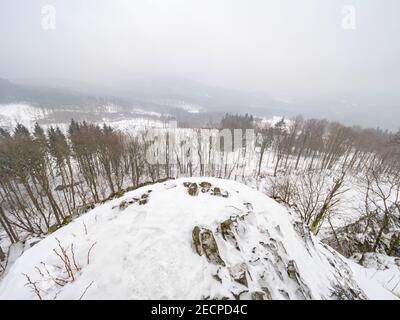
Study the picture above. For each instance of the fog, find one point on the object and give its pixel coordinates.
(287, 49)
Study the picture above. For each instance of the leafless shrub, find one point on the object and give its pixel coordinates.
(310, 194)
(283, 189)
(87, 288)
(88, 254)
(68, 269)
(68, 260)
(33, 285)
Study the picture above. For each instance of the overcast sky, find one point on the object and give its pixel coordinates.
(283, 47)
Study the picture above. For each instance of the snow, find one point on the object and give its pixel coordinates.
(370, 285)
(382, 268)
(191, 108)
(14, 252)
(181, 104)
(146, 251)
(149, 113)
(11, 114)
(276, 119)
(134, 125)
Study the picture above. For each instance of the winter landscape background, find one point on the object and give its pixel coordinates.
(185, 150)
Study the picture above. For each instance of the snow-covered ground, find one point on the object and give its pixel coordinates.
(274, 120)
(135, 124)
(11, 114)
(384, 269)
(145, 245)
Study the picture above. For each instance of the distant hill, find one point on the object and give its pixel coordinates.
(195, 102)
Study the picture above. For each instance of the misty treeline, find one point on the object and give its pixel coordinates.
(48, 176)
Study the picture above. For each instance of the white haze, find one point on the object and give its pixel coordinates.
(287, 49)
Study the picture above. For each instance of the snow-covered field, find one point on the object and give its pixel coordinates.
(11, 114)
(145, 245)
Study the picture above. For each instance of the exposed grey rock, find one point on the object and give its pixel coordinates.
(259, 295)
(292, 269)
(205, 185)
(193, 189)
(227, 232)
(2, 255)
(238, 274)
(196, 240)
(204, 243)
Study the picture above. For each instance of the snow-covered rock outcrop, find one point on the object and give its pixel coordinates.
(192, 238)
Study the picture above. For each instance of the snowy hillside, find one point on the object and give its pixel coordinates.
(192, 238)
(11, 114)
